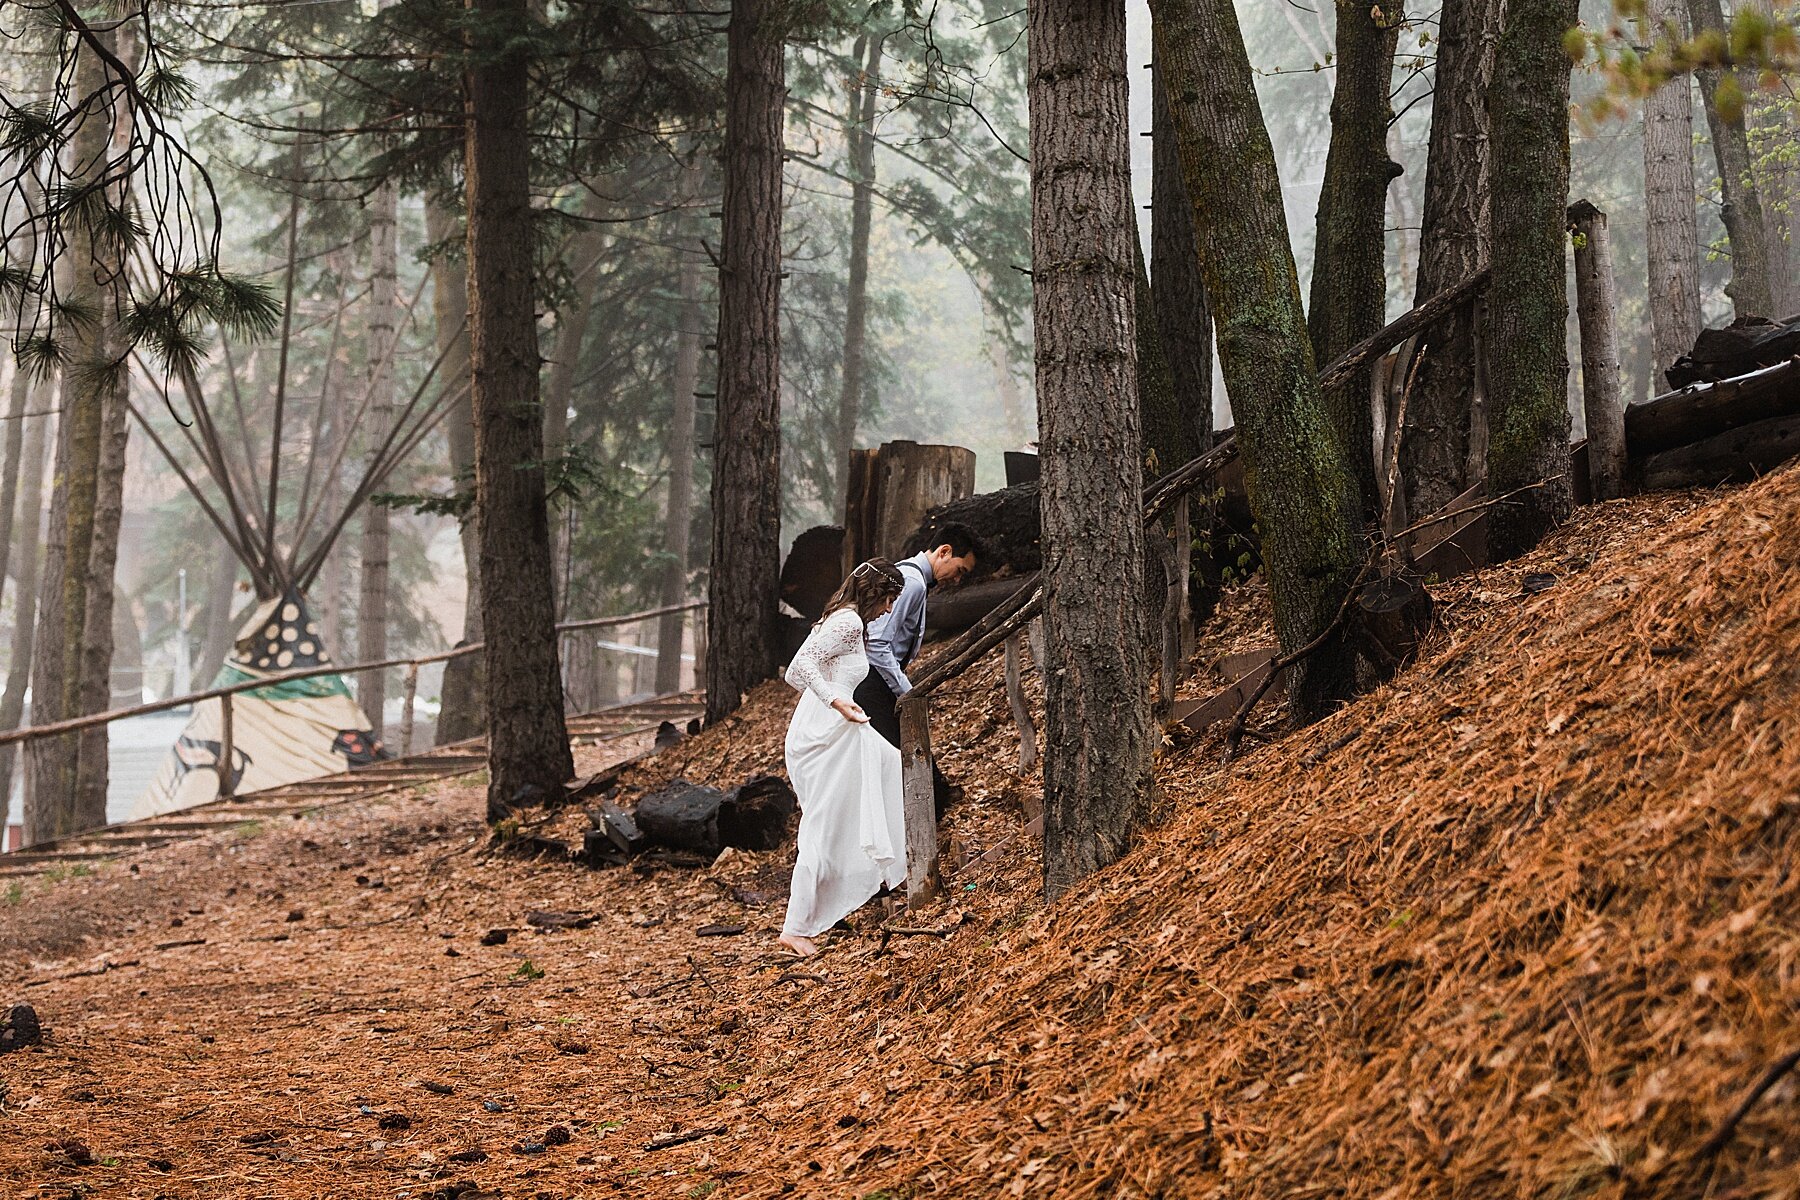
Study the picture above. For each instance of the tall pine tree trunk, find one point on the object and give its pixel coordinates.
(70, 649)
(1751, 289)
(1349, 279)
(25, 564)
(384, 318)
(462, 713)
(221, 591)
(1529, 440)
(1164, 431)
(744, 586)
(678, 514)
(1179, 294)
(1672, 253)
(1301, 486)
(1454, 243)
(859, 136)
(1096, 702)
(528, 743)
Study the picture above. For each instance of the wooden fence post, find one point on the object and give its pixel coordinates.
(1600, 393)
(225, 748)
(406, 714)
(1015, 696)
(923, 882)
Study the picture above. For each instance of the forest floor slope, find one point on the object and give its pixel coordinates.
(1522, 922)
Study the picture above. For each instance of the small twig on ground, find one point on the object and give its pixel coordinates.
(800, 977)
(663, 1141)
(178, 945)
(102, 969)
(1722, 1135)
(700, 974)
(967, 1067)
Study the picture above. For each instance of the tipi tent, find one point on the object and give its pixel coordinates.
(292, 729)
(297, 729)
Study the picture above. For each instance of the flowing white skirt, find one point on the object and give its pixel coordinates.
(852, 816)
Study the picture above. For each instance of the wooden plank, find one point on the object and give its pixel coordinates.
(923, 881)
(1246, 671)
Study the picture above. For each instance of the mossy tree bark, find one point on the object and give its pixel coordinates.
(528, 742)
(1529, 439)
(745, 583)
(1454, 243)
(1084, 285)
(1349, 279)
(1300, 482)
(1182, 314)
(1741, 209)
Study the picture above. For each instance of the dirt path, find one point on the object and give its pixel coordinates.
(309, 1010)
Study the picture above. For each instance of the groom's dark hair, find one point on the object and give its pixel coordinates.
(960, 538)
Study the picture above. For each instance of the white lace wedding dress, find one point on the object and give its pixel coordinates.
(847, 776)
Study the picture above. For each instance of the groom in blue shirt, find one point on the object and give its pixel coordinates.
(894, 639)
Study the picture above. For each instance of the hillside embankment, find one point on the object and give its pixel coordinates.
(1522, 922)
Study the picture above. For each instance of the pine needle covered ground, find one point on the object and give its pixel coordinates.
(1522, 923)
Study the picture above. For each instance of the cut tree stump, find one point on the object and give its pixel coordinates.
(692, 816)
(890, 491)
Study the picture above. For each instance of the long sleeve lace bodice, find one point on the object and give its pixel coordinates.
(832, 661)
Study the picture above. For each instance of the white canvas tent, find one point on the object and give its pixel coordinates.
(292, 729)
(286, 732)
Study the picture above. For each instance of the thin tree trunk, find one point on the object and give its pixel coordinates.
(528, 743)
(1349, 280)
(221, 590)
(1769, 126)
(461, 713)
(1454, 243)
(1182, 315)
(746, 487)
(97, 639)
(25, 563)
(20, 398)
(1097, 784)
(679, 512)
(1529, 373)
(384, 317)
(586, 248)
(1301, 486)
(1596, 305)
(1672, 254)
(859, 136)
(1165, 432)
(1741, 209)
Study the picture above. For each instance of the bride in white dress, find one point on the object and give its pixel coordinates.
(846, 775)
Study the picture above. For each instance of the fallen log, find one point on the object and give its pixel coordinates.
(1006, 521)
(1703, 410)
(1735, 456)
(692, 816)
(1737, 349)
(952, 609)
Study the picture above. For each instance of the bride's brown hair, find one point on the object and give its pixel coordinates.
(869, 587)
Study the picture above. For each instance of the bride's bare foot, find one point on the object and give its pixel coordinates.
(805, 947)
